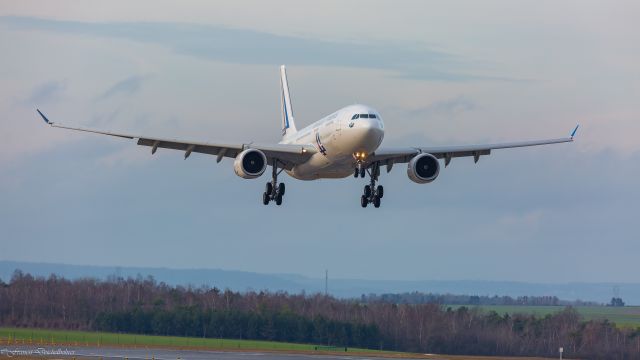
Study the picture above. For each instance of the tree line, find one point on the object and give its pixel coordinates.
(144, 306)
(262, 324)
(417, 297)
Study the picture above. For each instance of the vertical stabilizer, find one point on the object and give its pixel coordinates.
(288, 121)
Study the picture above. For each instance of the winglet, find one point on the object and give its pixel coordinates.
(44, 117)
(573, 133)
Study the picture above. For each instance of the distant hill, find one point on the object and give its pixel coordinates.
(243, 280)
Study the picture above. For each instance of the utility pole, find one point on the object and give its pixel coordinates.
(326, 282)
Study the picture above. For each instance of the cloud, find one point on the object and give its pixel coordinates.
(125, 156)
(446, 109)
(44, 93)
(527, 220)
(243, 46)
(439, 116)
(128, 86)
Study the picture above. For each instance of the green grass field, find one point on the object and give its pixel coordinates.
(43, 337)
(627, 316)
(20, 336)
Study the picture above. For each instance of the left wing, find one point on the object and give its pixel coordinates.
(287, 155)
(391, 156)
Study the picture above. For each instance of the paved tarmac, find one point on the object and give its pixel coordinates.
(108, 353)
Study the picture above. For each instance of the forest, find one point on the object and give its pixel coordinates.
(144, 306)
(453, 299)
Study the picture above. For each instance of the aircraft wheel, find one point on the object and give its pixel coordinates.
(265, 198)
(268, 188)
(364, 201)
(281, 189)
(376, 201)
(356, 173)
(380, 191)
(279, 199)
(363, 172)
(367, 191)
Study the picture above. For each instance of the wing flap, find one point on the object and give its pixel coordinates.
(204, 148)
(288, 154)
(470, 149)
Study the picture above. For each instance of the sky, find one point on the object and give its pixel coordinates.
(450, 72)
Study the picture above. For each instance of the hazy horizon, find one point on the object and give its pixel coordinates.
(320, 276)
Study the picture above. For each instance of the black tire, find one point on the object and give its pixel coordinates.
(380, 191)
(367, 191)
(281, 189)
(268, 188)
(356, 173)
(279, 199)
(364, 201)
(265, 198)
(363, 172)
(376, 201)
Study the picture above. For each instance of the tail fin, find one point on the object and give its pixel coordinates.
(288, 121)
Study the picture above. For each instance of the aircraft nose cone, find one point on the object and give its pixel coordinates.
(373, 127)
(370, 134)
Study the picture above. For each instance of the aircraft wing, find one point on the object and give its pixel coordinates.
(287, 155)
(391, 156)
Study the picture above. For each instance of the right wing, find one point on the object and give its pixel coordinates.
(287, 155)
(391, 156)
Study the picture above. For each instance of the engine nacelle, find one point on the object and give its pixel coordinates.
(423, 168)
(250, 164)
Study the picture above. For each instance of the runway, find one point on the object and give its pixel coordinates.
(110, 353)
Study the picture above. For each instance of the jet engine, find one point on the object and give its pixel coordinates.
(250, 164)
(423, 168)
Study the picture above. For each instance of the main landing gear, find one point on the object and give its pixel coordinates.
(273, 190)
(372, 194)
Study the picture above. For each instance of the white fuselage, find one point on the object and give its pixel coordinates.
(337, 137)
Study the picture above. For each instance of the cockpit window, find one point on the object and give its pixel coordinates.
(364, 116)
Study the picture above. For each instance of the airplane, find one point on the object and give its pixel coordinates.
(344, 143)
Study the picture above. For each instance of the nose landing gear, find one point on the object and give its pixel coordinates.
(372, 194)
(359, 170)
(274, 191)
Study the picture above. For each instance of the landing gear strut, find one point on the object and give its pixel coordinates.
(372, 194)
(359, 170)
(273, 190)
